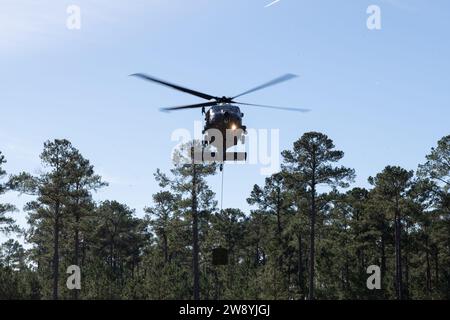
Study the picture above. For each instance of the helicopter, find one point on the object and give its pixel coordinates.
(223, 126)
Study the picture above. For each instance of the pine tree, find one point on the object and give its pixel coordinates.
(7, 224)
(61, 191)
(311, 161)
(228, 232)
(160, 218)
(116, 246)
(275, 200)
(82, 181)
(391, 186)
(437, 166)
(197, 200)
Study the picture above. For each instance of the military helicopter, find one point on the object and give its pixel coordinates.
(223, 120)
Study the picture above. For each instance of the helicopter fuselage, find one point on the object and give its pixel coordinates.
(224, 117)
(223, 126)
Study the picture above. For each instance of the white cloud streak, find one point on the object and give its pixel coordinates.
(272, 3)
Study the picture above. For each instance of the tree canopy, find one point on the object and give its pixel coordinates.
(310, 234)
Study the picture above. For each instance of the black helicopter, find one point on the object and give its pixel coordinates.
(223, 120)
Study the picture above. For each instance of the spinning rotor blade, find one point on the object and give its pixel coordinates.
(278, 80)
(190, 106)
(272, 107)
(174, 86)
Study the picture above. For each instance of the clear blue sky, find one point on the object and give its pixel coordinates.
(382, 96)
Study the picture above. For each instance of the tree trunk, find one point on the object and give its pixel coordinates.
(428, 272)
(398, 255)
(279, 231)
(436, 267)
(406, 284)
(347, 274)
(77, 245)
(300, 266)
(312, 241)
(383, 253)
(56, 252)
(195, 246)
(280, 241)
(165, 248)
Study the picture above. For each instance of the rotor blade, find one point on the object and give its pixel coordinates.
(286, 77)
(190, 106)
(174, 86)
(272, 107)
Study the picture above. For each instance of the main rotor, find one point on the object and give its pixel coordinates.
(214, 100)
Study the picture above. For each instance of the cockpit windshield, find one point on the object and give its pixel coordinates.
(229, 108)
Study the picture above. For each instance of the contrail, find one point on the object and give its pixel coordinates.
(272, 3)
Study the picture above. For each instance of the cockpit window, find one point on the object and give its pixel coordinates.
(229, 108)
